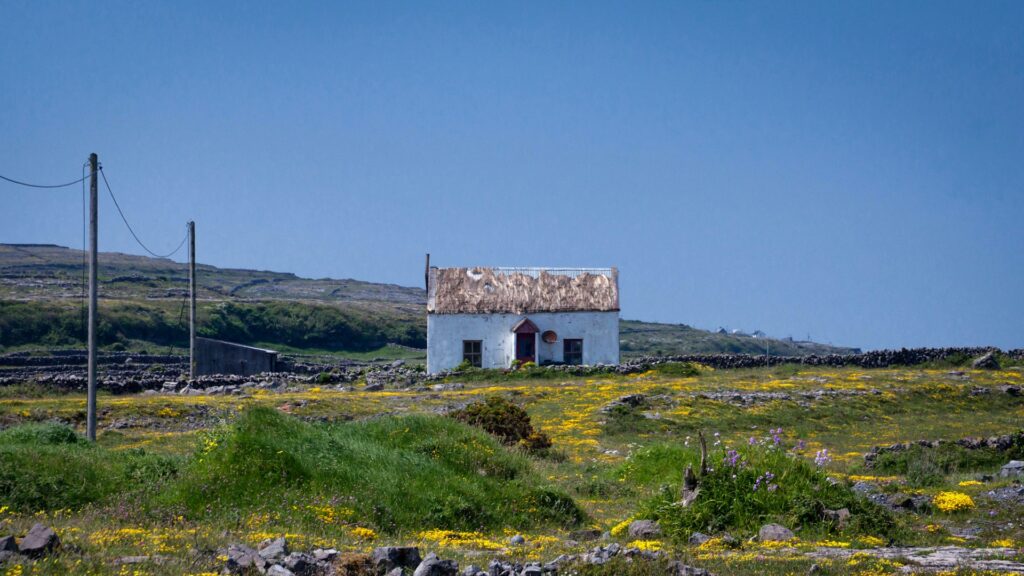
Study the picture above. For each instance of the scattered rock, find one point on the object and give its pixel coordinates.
(906, 502)
(629, 401)
(774, 533)
(1012, 468)
(1010, 390)
(987, 361)
(677, 568)
(838, 518)
(8, 544)
(325, 554)
(1007, 494)
(434, 566)
(517, 540)
(865, 488)
(698, 538)
(39, 541)
(242, 558)
(274, 549)
(387, 558)
(585, 535)
(278, 570)
(300, 564)
(644, 529)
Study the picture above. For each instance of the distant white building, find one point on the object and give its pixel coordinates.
(490, 317)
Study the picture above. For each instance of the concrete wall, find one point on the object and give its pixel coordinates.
(218, 357)
(445, 333)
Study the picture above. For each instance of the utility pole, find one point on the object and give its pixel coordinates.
(192, 300)
(90, 426)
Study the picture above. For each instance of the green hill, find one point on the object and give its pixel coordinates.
(142, 304)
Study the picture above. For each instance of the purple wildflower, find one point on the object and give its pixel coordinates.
(732, 458)
(822, 457)
(766, 480)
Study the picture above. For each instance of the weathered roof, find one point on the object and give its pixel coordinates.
(522, 290)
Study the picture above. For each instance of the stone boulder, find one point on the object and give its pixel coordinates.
(774, 533)
(838, 518)
(242, 559)
(434, 566)
(644, 529)
(388, 558)
(987, 361)
(274, 550)
(39, 541)
(1013, 468)
(698, 538)
(300, 564)
(7, 544)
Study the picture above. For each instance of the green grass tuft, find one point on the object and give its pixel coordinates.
(926, 466)
(796, 494)
(396, 474)
(49, 467)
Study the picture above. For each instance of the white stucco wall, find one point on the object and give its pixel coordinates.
(445, 333)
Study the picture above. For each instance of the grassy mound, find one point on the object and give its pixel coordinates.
(394, 474)
(748, 487)
(49, 467)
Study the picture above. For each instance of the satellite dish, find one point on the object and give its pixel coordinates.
(549, 336)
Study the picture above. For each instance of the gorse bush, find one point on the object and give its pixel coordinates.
(749, 486)
(393, 474)
(502, 418)
(48, 467)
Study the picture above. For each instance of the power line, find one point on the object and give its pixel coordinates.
(130, 229)
(30, 185)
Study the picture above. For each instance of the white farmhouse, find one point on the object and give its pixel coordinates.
(490, 317)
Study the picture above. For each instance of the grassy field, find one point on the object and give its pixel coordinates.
(181, 476)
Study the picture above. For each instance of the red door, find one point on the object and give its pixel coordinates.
(526, 347)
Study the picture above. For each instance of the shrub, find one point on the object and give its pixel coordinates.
(502, 418)
(748, 487)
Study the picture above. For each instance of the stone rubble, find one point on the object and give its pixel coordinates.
(406, 561)
(1001, 443)
(126, 373)
(934, 558)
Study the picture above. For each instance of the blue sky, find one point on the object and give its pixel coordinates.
(849, 170)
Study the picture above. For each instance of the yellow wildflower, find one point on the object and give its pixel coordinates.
(953, 501)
